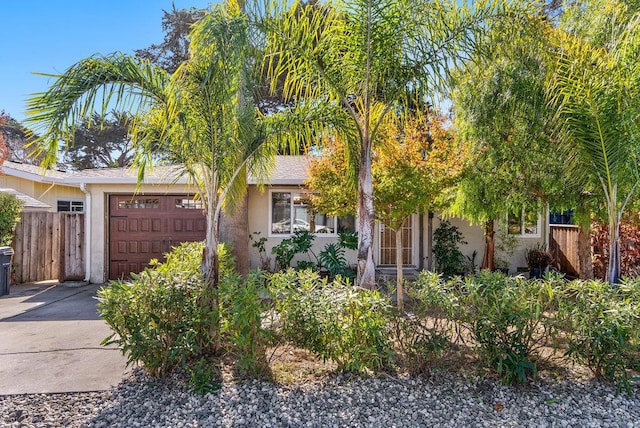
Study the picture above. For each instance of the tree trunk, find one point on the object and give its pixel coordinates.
(430, 241)
(489, 248)
(366, 266)
(234, 230)
(399, 267)
(585, 260)
(613, 273)
(210, 272)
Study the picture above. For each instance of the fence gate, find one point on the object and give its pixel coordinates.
(49, 246)
(563, 244)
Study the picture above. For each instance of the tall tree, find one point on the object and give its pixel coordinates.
(16, 139)
(369, 57)
(174, 49)
(101, 142)
(416, 163)
(202, 115)
(509, 124)
(595, 88)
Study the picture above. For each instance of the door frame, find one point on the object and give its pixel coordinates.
(415, 237)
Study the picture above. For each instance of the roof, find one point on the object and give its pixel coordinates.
(33, 172)
(28, 202)
(287, 170)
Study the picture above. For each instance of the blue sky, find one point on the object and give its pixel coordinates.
(49, 36)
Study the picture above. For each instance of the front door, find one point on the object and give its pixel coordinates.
(388, 244)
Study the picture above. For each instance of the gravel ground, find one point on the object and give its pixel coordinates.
(339, 402)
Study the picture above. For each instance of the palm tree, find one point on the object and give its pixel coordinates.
(595, 91)
(365, 58)
(201, 116)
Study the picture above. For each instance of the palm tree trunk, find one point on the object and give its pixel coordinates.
(399, 267)
(613, 273)
(489, 248)
(366, 266)
(210, 273)
(234, 230)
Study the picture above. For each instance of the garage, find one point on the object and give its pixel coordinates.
(144, 227)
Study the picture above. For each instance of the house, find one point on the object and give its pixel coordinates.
(128, 223)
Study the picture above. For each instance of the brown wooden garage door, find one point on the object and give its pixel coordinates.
(142, 228)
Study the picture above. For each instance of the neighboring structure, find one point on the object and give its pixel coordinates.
(127, 224)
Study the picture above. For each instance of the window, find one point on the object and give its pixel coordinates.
(565, 218)
(525, 223)
(140, 203)
(71, 206)
(189, 204)
(290, 213)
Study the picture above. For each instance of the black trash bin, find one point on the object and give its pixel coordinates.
(5, 269)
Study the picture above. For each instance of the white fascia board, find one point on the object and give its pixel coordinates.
(125, 180)
(278, 182)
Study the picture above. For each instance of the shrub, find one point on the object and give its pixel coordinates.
(505, 318)
(449, 258)
(158, 318)
(333, 320)
(602, 325)
(10, 208)
(423, 332)
(241, 309)
(299, 243)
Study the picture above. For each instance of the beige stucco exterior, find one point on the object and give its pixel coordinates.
(49, 193)
(94, 187)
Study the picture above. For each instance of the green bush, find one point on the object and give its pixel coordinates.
(449, 258)
(423, 331)
(10, 208)
(158, 317)
(333, 320)
(242, 306)
(163, 317)
(602, 327)
(505, 318)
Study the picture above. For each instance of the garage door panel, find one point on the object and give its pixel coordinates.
(143, 228)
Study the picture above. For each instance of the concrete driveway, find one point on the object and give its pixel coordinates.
(50, 341)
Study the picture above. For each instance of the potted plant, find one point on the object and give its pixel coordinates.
(538, 259)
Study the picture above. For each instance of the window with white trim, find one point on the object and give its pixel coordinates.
(526, 223)
(70, 206)
(290, 212)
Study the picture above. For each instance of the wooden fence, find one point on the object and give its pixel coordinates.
(49, 246)
(563, 244)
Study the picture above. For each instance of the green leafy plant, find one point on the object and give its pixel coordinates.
(423, 331)
(505, 318)
(10, 209)
(258, 242)
(449, 258)
(203, 379)
(333, 320)
(241, 309)
(299, 243)
(158, 318)
(602, 327)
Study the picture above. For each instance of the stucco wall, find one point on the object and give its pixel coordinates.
(43, 192)
(474, 236)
